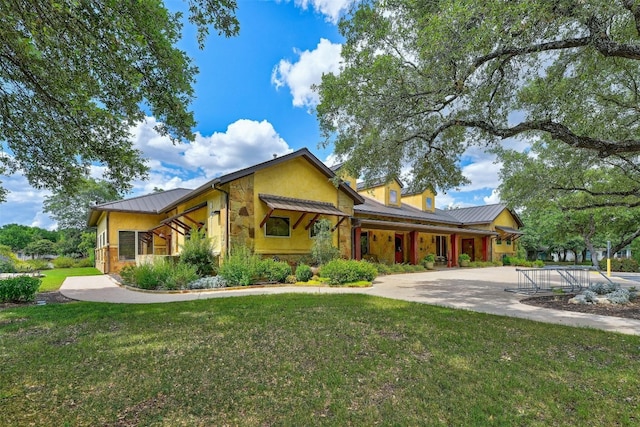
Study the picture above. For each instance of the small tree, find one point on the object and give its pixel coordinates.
(322, 250)
(41, 247)
(198, 251)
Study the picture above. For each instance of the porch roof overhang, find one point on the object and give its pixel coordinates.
(508, 232)
(303, 206)
(300, 205)
(407, 226)
(175, 223)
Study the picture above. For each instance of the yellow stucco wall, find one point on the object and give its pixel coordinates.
(505, 219)
(419, 200)
(382, 193)
(299, 179)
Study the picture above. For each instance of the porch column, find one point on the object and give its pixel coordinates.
(485, 248)
(413, 247)
(357, 246)
(454, 250)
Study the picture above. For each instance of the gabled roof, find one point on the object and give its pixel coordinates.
(149, 203)
(373, 207)
(303, 152)
(376, 183)
(481, 214)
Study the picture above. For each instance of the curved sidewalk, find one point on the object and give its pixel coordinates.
(480, 290)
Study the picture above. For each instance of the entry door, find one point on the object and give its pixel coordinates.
(399, 248)
(468, 247)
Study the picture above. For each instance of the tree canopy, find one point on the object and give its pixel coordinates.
(76, 75)
(71, 209)
(422, 81)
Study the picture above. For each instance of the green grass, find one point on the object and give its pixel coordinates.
(304, 360)
(53, 279)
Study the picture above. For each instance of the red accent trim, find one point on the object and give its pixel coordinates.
(357, 243)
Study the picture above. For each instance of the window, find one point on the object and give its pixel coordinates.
(498, 241)
(277, 227)
(364, 243)
(127, 245)
(508, 241)
(393, 197)
(429, 203)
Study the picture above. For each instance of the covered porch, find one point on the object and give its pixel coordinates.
(404, 242)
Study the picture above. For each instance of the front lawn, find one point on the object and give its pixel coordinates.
(53, 279)
(307, 360)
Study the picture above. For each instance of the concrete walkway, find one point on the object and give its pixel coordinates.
(480, 290)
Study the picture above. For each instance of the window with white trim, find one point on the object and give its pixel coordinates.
(393, 197)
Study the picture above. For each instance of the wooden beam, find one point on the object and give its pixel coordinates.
(314, 219)
(299, 220)
(198, 223)
(338, 224)
(174, 229)
(266, 217)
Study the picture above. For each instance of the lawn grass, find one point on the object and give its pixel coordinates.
(305, 360)
(53, 279)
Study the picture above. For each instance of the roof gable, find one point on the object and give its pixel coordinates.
(481, 214)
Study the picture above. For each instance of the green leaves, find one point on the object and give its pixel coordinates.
(74, 76)
(422, 81)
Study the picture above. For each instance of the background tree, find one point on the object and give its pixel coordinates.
(71, 209)
(40, 248)
(421, 81)
(17, 237)
(76, 75)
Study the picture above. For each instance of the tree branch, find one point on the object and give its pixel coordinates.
(556, 130)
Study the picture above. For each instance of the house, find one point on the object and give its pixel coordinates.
(271, 208)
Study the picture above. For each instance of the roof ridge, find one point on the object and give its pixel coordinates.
(155, 193)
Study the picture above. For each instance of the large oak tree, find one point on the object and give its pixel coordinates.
(75, 75)
(423, 80)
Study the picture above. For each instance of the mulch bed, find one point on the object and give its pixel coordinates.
(561, 302)
(47, 297)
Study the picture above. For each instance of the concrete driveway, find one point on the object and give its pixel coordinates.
(480, 290)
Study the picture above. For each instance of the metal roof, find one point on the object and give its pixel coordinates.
(373, 207)
(480, 214)
(364, 185)
(405, 226)
(300, 205)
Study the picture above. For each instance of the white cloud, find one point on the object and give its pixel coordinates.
(331, 9)
(493, 198)
(300, 76)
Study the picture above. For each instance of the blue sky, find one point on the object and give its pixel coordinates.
(253, 100)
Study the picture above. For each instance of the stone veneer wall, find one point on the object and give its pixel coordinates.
(345, 204)
(242, 213)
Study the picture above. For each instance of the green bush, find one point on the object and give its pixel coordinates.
(322, 249)
(147, 276)
(274, 271)
(84, 262)
(625, 265)
(341, 271)
(37, 264)
(382, 268)
(63, 262)
(19, 289)
(7, 265)
(241, 267)
(303, 273)
(198, 251)
(180, 276)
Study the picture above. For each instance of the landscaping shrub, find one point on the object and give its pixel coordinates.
(625, 265)
(341, 271)
(303, 273)
(209, 282)
(382, 268)
(603, 288)
(84, 262)
(322, 249)
(147, 276)
(274, 271)
(180, 275)
(198, 251)
(292, 280)
(63, 262)
(19, 289)
(37, 264)
(7, 265)
(241, 267)
(619, 296)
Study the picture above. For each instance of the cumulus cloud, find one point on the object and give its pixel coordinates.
(331, 9)
(493, 198)
(300, 76)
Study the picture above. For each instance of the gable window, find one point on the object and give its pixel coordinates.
(508, 241)
(429, 202)
(127, 245)
(277, 227)
(498, 241)
(393, 197)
